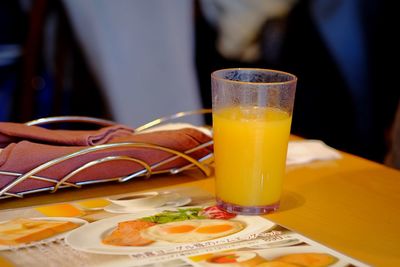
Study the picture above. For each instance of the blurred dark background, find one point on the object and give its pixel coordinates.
(45, 73)
(341, 52)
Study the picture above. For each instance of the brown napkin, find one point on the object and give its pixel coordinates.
(25, 155)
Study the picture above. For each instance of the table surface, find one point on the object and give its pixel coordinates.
(351, 205)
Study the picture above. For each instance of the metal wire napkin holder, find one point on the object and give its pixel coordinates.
(148, 170)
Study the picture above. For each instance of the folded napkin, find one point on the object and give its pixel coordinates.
(15, 132)
(43, 145)
(305, 151)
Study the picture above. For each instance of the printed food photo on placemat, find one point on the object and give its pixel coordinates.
(168, 229)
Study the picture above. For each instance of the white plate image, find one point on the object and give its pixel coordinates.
(89, 237)
(273, 253)
(182, 201)
(49, 239)
(248, 258)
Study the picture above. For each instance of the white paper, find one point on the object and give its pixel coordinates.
(304, 151)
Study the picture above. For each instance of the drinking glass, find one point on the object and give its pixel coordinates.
(252, 113)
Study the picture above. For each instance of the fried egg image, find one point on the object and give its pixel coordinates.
(192, 230)
(234, 259)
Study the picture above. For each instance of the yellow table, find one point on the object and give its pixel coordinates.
(351, 205)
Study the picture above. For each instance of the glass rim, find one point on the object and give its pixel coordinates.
(293, 78)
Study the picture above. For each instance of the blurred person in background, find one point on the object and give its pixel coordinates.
(142, 52)
(230, 32)
(346, 95)
(131, 61)
(340, 50)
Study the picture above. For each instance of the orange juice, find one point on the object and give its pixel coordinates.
(250, 145)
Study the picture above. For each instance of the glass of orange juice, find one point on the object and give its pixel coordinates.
(252, 113)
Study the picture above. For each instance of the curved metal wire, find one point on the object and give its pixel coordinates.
(81, 119)
(102, 160)
(171, 117)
